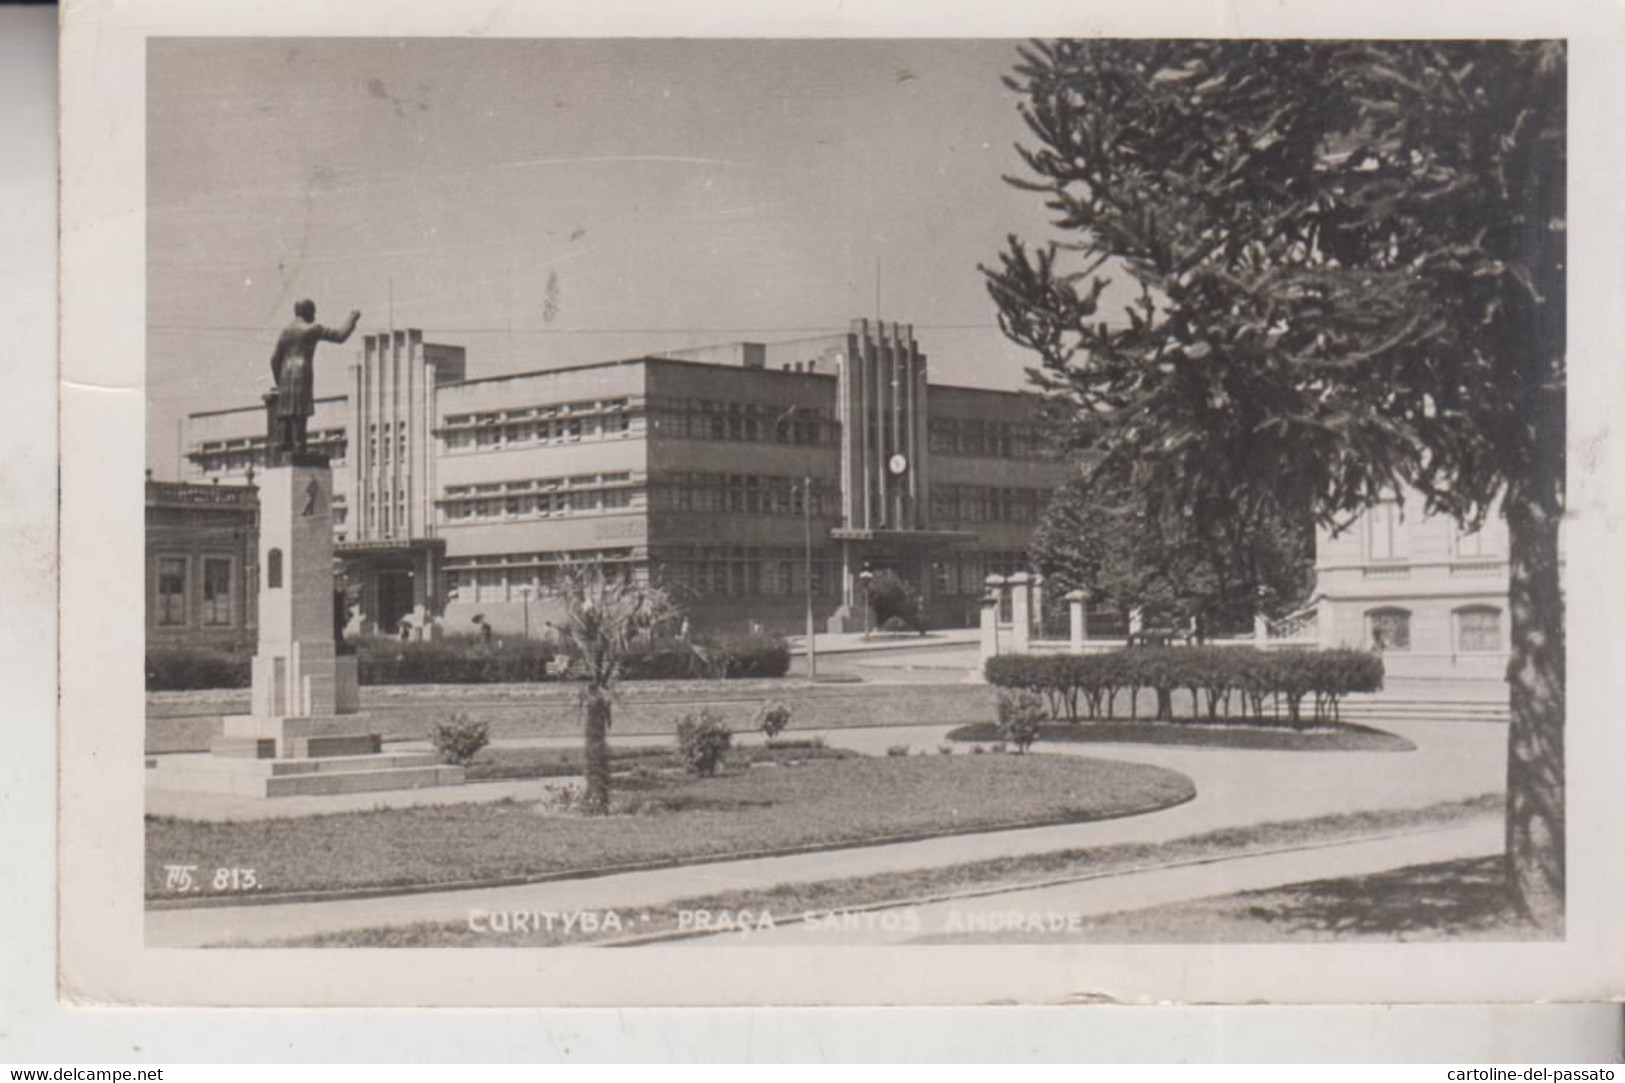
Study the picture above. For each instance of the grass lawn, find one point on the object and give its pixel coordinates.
(789, 901)
(1320, 737)
(185, 721)
(509, 763)
(748, 810)
(1450, 900)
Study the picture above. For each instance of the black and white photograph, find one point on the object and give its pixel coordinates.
(1002, 502)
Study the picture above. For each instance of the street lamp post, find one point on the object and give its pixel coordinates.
(807, 565)
(806, 518)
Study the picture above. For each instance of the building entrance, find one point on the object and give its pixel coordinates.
(393, 591)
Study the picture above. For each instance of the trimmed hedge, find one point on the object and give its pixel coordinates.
(182, 669)
(728, 658)
(452, 660)
(1232, 681)
(471, 660)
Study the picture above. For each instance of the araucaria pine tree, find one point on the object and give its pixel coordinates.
(1349, 280)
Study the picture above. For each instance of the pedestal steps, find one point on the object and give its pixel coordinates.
(294, 777)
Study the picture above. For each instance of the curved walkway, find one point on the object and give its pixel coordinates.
(1235, 788)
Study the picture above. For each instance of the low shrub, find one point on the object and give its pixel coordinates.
(1021, 712)
(460, 739)
(750, 656)
(661, 662)
(897, 750)
(725, 658)
(897, 606)
(452, 660)
(702, 742)
(945, 750)
(185, 669)
(772, 718)
(1230, 680)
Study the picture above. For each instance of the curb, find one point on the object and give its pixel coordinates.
(216, 902)
(1059, 881)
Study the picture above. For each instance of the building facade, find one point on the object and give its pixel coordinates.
(1430, 596)
(706, 470)
(201, 570)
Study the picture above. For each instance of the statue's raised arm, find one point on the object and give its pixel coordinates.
(293, 366)
(339, 334)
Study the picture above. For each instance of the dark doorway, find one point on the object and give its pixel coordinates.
(394, 593)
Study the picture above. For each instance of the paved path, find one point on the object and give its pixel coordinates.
(1053, 914)
(1235, 788)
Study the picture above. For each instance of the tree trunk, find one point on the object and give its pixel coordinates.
(1535, 675)
(596, 800)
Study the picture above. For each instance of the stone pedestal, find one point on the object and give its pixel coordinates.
(306, 696)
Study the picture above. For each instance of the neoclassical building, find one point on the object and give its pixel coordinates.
(1430, 596)
(458, 495)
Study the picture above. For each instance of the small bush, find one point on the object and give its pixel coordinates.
(945, 750)
(751, 656)
(1020, 714)
(772, 718)
(897, 750)
(702, 742)
(460, 739)
(184, 669)
(896, 605)
(561, 798)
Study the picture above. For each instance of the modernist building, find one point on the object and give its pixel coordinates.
(457, 496)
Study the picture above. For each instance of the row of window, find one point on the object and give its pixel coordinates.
(509, 577)
(749, 422)
(1387, 539)
(579, 494)
(535, 433)
(973, 436)
(746, 572)
(1477, 628)
(754, 494)
(954, 504)
(173, 590)
(237, 456)
(965, 573)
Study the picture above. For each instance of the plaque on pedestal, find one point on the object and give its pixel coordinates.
(303, 733)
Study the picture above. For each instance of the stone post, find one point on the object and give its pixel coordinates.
(1021, 616)
(1136, 621)
(1075, 602)
(1261, 631)
(1038, 605)
(990, 617)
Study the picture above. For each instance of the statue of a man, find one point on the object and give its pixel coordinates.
(293, 366)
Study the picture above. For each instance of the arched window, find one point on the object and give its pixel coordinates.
(273, 569)
(1388, 629)
(1478, 628)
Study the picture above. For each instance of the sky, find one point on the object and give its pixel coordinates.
(546, 203)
